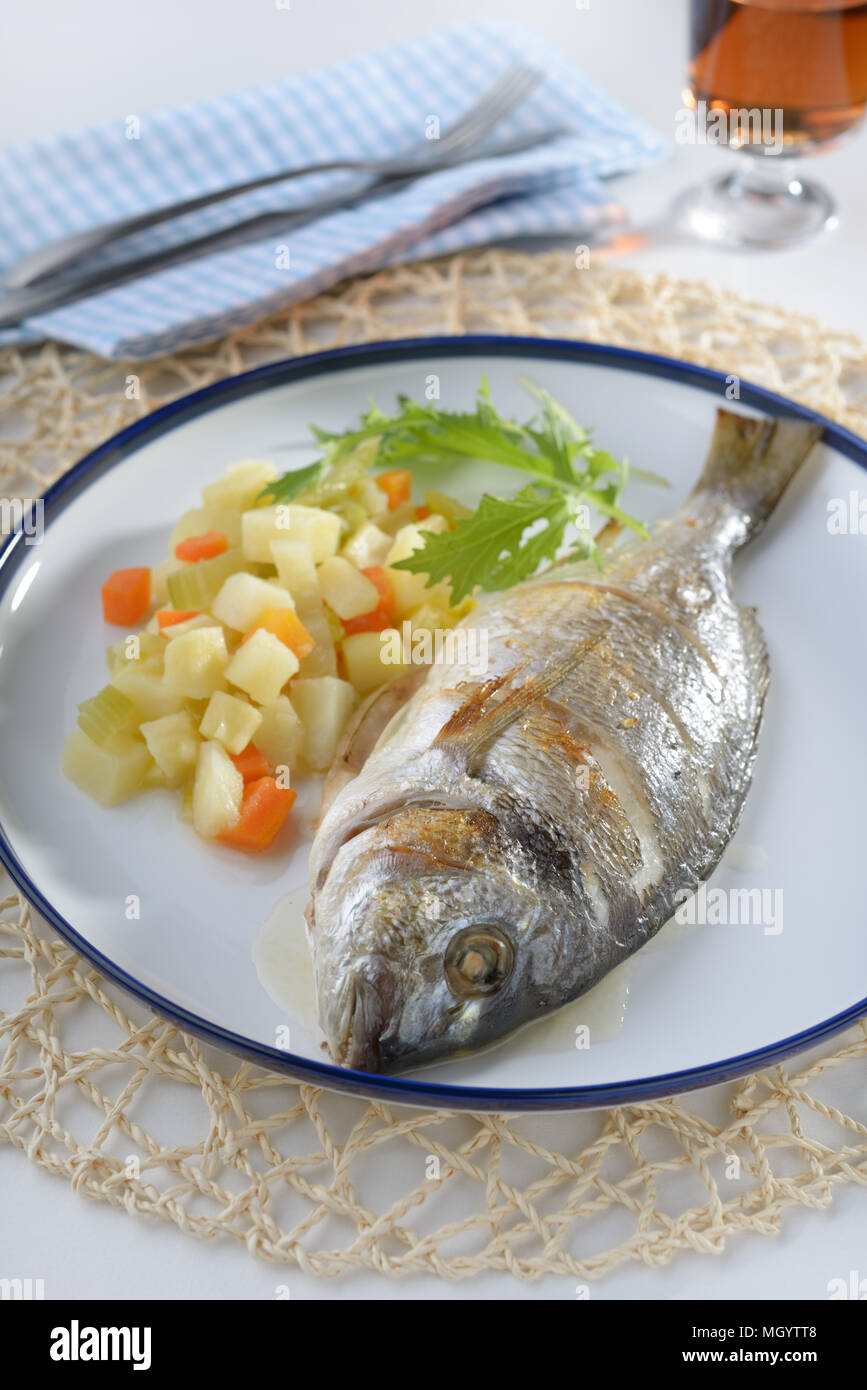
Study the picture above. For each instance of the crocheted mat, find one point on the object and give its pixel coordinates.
(89, 1081)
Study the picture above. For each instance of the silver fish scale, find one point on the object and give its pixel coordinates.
(568, 797)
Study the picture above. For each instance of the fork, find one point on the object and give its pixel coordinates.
(59, 290)
(498, 102)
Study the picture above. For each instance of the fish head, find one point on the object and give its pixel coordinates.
(424, 939)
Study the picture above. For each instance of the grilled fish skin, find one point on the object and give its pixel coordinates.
(492, 847)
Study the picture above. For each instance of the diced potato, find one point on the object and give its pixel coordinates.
(141, 650)
(217, 790)
(430, 617)
(109, 774)
(289, 521)
(371, 497)
(434, 522)
(147, 689)
(196, 662)
(230, 721)
(295, 569)
(323, 705)
(262, 666)
(408, 539)
(240, 485)
(173, 744)
(410, 590)
(175, 630)
(201, 519)
(345, 589)
(368, 545)
(280, 736)
(366, 661)
(243, 599)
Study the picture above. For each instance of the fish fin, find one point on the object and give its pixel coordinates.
(364, 729)
(472, 728)
(750, 464)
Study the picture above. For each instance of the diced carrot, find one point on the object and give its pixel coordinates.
(422, 513)
(288, 628)
(395, 484)
(126, 596)
(377, 575)
(251, 764)
(377, 620)
(263, 810)
(379, 617)
(203, 547)
(167, 617)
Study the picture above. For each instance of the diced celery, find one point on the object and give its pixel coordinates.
(401, 516)
(109, 712)
(352, 512)
(344, 475)
(447, 506)
(197, 585)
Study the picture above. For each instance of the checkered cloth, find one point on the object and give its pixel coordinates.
(375, 105)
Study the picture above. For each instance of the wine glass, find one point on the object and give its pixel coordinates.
(775, 79)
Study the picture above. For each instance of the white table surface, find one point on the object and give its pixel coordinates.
(68, 66)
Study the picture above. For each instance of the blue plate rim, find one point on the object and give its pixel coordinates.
(406, 1089)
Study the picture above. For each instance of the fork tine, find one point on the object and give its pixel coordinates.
(507, 93)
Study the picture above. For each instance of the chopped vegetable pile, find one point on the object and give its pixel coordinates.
(264, 625)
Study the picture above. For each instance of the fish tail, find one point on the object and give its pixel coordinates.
(749, 466)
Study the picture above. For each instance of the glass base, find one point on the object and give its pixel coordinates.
(758, 208)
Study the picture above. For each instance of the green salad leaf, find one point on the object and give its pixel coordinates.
(506, 538)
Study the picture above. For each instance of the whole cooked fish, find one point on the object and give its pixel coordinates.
(494, 845)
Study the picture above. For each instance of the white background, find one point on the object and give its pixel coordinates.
(66, 66)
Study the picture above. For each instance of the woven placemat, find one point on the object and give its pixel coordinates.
(129, 1110)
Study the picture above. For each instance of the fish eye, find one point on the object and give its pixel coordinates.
(478, 961)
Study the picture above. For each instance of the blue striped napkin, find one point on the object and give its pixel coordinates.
(373, 105)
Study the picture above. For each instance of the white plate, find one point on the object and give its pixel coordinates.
(705, 1003)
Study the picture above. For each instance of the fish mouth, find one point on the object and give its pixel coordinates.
(360, 1015)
